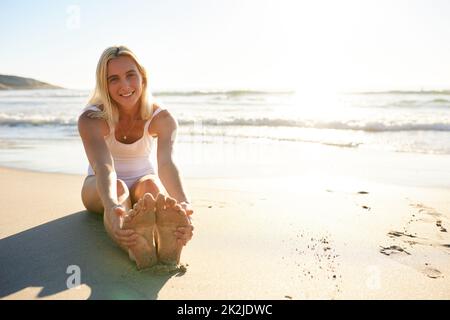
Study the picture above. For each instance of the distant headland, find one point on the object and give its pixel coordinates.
(8, 82)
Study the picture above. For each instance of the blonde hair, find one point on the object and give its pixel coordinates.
(101, 95)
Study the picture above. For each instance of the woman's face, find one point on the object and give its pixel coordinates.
(124, 81)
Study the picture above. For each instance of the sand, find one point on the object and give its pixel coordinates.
(275, 238)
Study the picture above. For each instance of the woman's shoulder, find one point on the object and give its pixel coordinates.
(160, 113)
(91, 112)
(88, 119)
(92, 107)
(161, 120)
(158, 109)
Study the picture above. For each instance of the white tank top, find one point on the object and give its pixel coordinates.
(131, 161)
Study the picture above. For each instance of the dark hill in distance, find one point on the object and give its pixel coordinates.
(19, 83)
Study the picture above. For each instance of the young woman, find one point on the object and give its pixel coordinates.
(117, 129)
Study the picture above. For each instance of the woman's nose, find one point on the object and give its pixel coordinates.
(124, 83)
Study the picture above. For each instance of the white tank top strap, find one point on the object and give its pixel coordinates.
(158, 110)
(147, 123)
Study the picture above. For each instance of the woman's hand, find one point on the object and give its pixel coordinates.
(113, 219)
(187, 207)
(184, 234)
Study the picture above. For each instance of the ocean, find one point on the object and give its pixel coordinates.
(220, 131)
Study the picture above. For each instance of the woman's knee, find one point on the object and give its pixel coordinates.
(150, 186)
(89, 195)
(144, 186)
(91, 198)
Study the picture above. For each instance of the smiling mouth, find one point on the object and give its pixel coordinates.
(127, 95)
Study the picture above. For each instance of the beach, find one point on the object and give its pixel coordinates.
(299, 236)
(310, 138)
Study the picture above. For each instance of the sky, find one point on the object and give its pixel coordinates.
(234, 44)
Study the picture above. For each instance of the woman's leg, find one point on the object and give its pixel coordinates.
(169, 217)
(144, 224)
(93, 203)
(144, 185)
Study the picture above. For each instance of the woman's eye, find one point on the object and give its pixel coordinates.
(113, 80)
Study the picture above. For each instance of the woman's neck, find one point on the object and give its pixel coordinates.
(129, 115)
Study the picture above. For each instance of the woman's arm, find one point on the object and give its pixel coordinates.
(97, 152)
(166, 128)
(92, 132)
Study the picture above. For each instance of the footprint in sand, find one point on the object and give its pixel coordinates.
(169, 217)
(393, 250)
(394, 234)
(432, 272)
(439, 225)
(142, 220)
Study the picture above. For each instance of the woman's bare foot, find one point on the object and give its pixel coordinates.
(142, 220)
(169, 216)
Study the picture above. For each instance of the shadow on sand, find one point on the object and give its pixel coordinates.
(40, 257)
